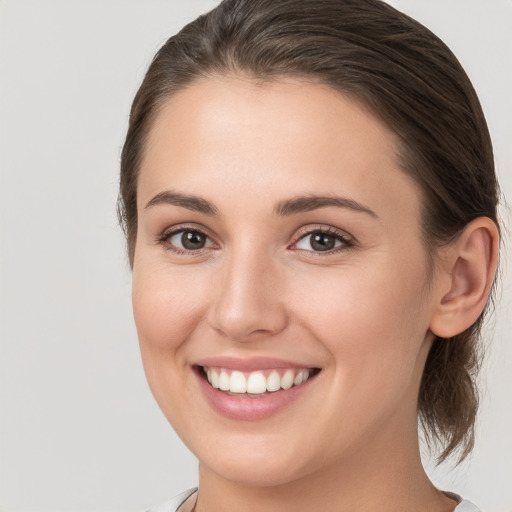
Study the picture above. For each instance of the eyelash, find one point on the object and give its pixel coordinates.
(168, 234)
(347, 242)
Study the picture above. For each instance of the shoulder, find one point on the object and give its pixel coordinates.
(172, 505)
(463, 505)
(466, 506)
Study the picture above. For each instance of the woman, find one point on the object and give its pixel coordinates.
(309, 198)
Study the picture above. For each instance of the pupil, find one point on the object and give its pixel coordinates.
(322, 242)
(192, 240)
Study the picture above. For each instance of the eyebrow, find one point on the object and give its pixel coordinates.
(295, 205)
(308, 203)
(194, 203)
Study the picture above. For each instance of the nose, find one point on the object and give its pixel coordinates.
(247, 303)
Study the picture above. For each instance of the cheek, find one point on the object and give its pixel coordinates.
(374, 324)
(168, 306)
(368, 307)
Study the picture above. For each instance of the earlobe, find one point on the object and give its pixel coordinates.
(469, 273)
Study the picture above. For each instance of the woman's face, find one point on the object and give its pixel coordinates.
(278, 240)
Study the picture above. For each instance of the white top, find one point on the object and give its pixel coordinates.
(177, 501)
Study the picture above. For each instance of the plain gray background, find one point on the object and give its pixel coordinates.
(79, 430)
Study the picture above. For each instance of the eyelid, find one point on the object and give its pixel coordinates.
(164, 237)
(348, 241)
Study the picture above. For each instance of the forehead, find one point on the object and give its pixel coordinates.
(268, 139)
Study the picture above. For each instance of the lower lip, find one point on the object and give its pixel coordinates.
(247, 408)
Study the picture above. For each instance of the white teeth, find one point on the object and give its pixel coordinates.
(255, 383)
(273, 381)
(302, 376)
(298, 378)
(224, 381)
(214, 379)
(237, 383)
(287, 379)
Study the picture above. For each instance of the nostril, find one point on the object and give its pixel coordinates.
(246, 329)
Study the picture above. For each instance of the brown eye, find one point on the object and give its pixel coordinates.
(189, 240)
(322, 241)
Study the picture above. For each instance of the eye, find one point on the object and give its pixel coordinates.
(186, 240)
(323, 240)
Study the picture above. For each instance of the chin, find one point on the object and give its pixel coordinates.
(256, 462)
(255, 474)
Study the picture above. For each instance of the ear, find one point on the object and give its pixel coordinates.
(467, 268)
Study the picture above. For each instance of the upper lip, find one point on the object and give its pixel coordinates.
(249, 364)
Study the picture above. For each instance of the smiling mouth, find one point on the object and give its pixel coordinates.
(255, 384)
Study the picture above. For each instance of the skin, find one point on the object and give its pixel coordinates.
(362, 314)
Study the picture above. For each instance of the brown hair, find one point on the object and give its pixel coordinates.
(408, 78)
